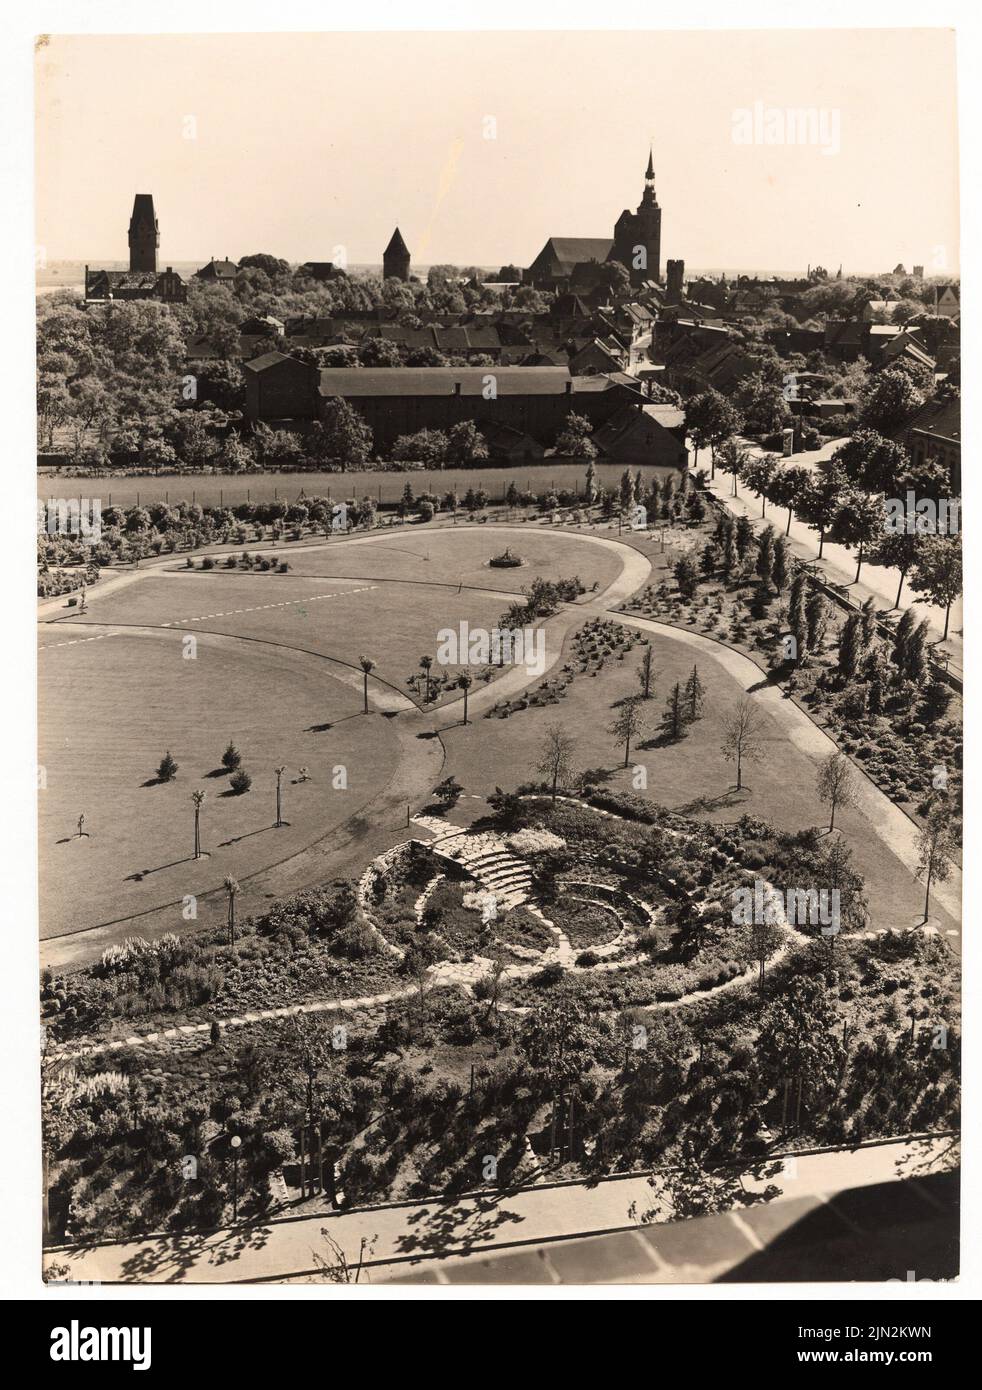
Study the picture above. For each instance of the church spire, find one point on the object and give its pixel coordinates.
(648, 198)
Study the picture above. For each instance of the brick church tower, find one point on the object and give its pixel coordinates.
(395, 258)
(637, 235)
(144, 235)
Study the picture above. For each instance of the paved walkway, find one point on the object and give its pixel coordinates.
(286, 1248)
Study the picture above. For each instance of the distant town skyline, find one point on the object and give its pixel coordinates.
(480, 146)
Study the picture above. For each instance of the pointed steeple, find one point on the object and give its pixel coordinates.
(648, 198)
(396, 258)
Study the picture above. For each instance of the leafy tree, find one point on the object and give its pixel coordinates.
(761, 403)
(835, 873)
(819, 503)
(897, 550)
(574, 439)
(731, 458)
(872, 463)
(272, 266)
(344, 437)
(799, 1045)
(936, 851)
(889, 401)
(758, 474)
(765, 939)
(858, 524)
(314, 1076)
(380, 352)
(558, 1044)
(938, 573)
(556, 761)
(428, 447)
(709, 420)
(465, 442)
(629, 724)
(742, 729)
(787, 488)
(836, 785)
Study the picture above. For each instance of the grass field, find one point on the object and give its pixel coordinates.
(460, 556)
(394, 624)
(384, 487)
(108, 711)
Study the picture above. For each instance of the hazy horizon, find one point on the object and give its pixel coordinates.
(300, 144)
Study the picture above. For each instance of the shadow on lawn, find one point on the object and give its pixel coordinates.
(141, 874)
(247, 835)
(731, 797)
(326, 728)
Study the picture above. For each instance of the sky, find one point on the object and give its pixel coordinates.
(481, 145)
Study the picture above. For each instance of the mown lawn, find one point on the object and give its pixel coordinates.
(460, 556)
(110, 709)
(394, 624)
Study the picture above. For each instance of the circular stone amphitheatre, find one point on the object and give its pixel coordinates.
(117, 691)
(112, 705)
(570, 891)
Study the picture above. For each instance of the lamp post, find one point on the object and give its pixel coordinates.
(279, 779)
(236, 1144)
(197, 798)
(367, 665)
(231, 888)
(465, 681)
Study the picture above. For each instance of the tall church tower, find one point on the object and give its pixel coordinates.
(637, 235)
(395, 258)
(144, 234)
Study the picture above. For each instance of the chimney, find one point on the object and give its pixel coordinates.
(456, 388)
(569, 387)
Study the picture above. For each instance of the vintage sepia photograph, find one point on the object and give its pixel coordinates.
(499, 658)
